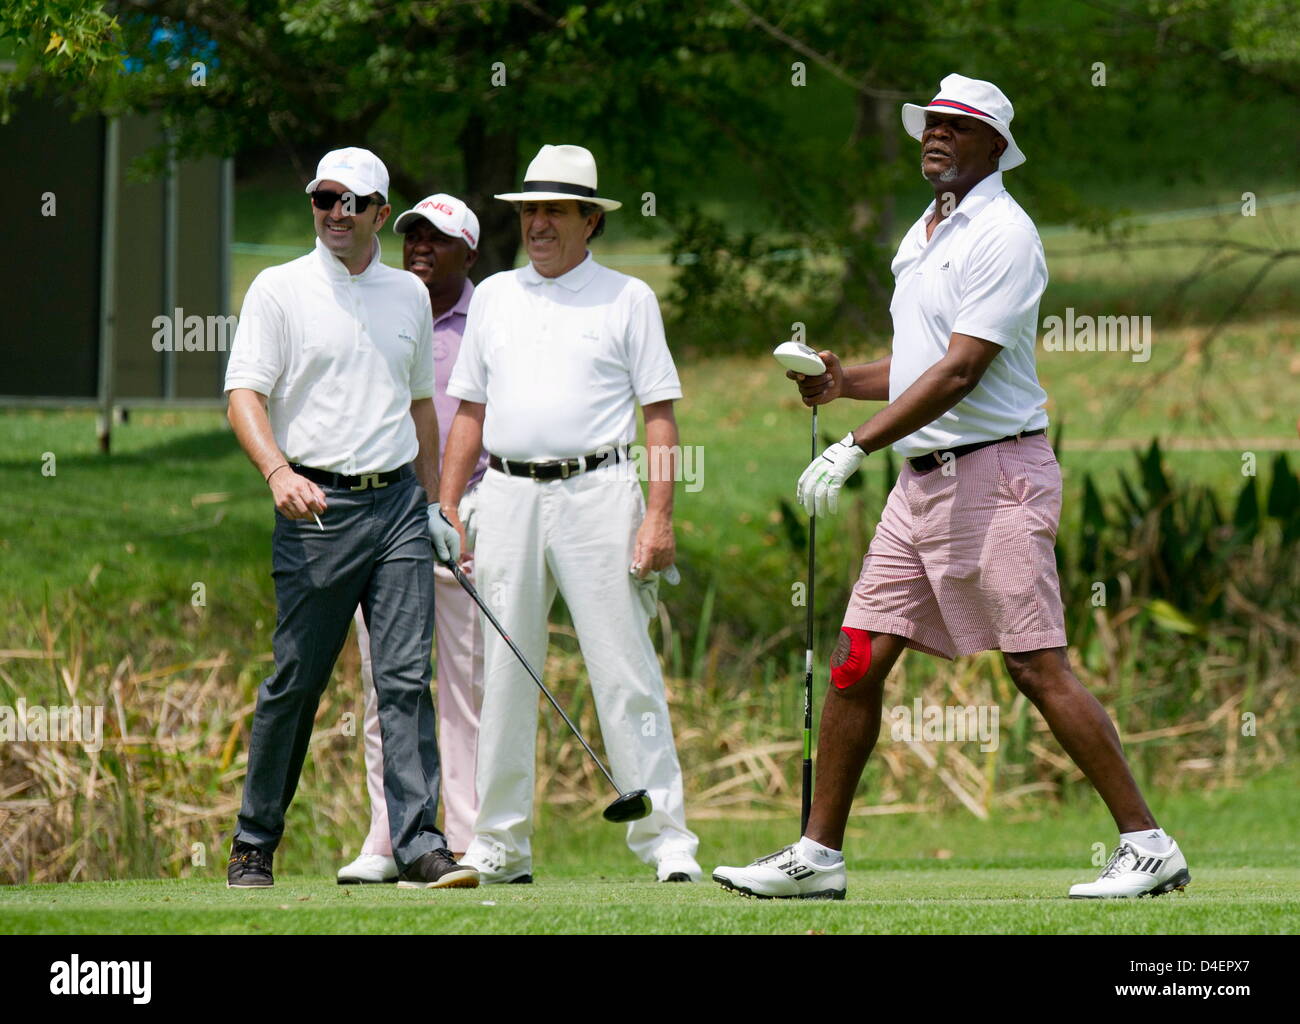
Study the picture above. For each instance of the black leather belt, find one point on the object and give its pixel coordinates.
(364, 482)
(925, 463)
(559, 469)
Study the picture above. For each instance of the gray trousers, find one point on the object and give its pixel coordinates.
(374, 552)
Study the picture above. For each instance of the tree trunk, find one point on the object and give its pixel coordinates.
(887, 125)
(871, 217)
(491, 162)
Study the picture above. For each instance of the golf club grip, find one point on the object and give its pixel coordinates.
(468, 587)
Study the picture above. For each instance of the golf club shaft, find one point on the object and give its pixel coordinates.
(808, 658)
(468, 587)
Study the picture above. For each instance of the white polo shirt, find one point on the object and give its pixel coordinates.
(560, 362)
(982, 273)
(340, 358)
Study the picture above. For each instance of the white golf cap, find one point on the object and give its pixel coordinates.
(446, 213)
(359, 169)
(561, 172)
(983, 101)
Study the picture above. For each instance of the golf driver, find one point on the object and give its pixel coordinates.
(796, 356)
(629, 806)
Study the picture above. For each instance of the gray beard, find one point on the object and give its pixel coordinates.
(950, 174)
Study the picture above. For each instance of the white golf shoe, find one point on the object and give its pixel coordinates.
(1134, 871)
(678, 867)
(369, 867)
(784, 875)
(489, 858)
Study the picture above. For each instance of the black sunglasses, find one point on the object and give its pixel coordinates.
(325, 198)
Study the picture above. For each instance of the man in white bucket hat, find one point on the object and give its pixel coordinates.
(440, 237)
(963, 559)
(557, 354)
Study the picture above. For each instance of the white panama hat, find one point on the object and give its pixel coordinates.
(561, 172)
(983, 101)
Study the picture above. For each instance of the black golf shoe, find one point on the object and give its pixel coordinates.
(437, 870)
(248, 867)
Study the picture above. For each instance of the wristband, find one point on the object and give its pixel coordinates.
(276, 470)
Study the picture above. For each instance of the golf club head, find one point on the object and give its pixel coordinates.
(796, 356)
(630, 807)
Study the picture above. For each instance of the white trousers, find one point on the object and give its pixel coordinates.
(577, 536)
(459, 639)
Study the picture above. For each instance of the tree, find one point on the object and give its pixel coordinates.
(443, 90)
(782, 116)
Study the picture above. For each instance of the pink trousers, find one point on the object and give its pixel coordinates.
(459, 645)
(964, 557)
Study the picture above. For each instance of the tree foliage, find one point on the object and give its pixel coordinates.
(743, 114)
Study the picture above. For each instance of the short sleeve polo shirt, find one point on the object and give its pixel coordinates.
(340, 358)
(982, 273)
(561, 362)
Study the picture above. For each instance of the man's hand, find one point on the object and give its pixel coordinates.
(295, 496)
(446, 538)
(819, 487)
(825, 388)
(656, 548)
(465, 519)
(462, 531)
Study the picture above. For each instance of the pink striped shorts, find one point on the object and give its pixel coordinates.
(964, 561)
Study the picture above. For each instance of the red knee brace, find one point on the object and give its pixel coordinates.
(851, 658)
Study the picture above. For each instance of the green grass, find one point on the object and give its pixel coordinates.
(140, 515)
(909, 875)
(109, 549)
(988, 901)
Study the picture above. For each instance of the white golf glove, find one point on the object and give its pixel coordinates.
(819, 487)
(647, 590)
(446, 541)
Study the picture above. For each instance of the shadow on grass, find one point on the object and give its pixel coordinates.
(189, 447)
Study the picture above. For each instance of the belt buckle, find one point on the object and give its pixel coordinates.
(564, 469)
(368, 481)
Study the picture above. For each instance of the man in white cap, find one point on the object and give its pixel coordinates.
(440, 236)
(330, 385)
(963, 558)
(556, 356)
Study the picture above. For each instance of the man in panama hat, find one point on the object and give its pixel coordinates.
(556, 356)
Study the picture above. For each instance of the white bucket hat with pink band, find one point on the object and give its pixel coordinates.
(983, 101)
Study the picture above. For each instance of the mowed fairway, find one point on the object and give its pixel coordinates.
(911, 875)
(936, 900)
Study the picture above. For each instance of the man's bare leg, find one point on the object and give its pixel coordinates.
(850, 726)
(1083, 729)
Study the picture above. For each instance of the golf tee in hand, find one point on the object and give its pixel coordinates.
(819, 487)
